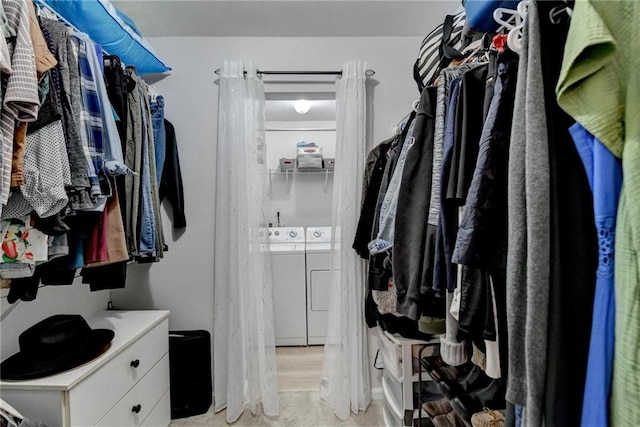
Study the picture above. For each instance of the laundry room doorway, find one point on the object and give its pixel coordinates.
(300, 132)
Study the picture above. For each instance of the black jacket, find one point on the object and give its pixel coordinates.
(171, 182)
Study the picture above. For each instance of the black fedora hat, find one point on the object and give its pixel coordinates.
(53, 345)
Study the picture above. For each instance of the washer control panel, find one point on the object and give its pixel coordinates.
(318, 234)
(286, 235)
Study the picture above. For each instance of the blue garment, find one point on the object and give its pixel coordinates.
(159, 137)
(518, 410)
(444, 273)
(604, 172)
(147, 220)
(384, 240)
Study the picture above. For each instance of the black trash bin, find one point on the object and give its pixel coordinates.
(190, 367)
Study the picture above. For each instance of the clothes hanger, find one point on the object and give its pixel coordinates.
(153, 94)
(560, 12)
(8, 420)
(514, 38)
(10, 414)
(513, 18)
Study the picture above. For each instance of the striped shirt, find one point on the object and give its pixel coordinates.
(21, 100)
(429, 56)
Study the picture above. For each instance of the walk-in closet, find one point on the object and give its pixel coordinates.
(319, 213)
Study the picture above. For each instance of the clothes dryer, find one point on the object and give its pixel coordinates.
(319, 279)
(287, 247)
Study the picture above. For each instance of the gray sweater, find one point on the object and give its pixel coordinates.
(529, 232)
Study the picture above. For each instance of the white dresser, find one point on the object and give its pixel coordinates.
(126, 386)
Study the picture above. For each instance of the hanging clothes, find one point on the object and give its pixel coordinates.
(601, 92)
(411, 274)
(372, 180)
(171, 182)
(66, 81)
(574, 243)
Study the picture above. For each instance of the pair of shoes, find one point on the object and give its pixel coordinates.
(487, 418)
(433, 362)
(474, 379)
(444, 373)
(492, 396)
(439, 407)
(450, 419)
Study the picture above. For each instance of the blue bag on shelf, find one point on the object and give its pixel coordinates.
(480, 13)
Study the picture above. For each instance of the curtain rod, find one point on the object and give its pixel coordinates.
(368, 73)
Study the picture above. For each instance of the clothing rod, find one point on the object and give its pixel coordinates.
(368, 73)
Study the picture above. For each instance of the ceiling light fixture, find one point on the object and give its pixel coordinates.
(302, 106)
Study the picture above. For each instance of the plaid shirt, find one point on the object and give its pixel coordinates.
(91, 114)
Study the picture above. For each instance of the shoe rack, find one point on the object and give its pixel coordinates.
(402, 378)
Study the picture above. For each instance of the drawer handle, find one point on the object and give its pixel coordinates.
(135, 363)
(136, 409)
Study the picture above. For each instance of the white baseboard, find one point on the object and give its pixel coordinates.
(376, 393)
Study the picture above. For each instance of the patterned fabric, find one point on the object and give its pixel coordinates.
(91, 113)
(5, 57)
(21, 99)
(46, 173)
(111, 158)
(22, 243)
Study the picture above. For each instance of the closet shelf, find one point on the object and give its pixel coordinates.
(300, 171)
(293, 172)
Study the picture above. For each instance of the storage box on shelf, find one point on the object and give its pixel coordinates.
(400, 378)
(126, 386)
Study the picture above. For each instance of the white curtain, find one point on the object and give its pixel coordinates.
(345, 384)
(244, 343)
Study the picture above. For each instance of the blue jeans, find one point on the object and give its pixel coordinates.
(159, 138)
(147, 220)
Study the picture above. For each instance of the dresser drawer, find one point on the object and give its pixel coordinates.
(160, 416)
(140, 401)
(91, 399)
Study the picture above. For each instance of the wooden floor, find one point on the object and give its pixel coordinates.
(299, 368)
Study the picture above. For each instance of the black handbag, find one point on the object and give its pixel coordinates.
(441, 46)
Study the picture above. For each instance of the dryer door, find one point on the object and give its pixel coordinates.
(318, 305)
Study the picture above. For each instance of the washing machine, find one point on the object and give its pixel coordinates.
(319, 279)
(287, 248)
